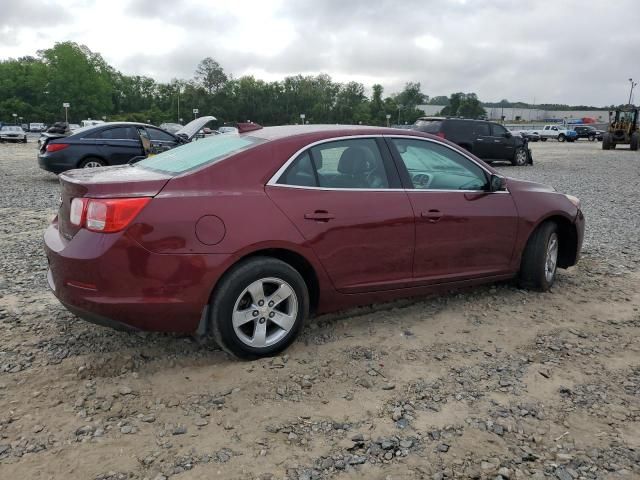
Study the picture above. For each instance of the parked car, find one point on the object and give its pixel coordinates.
(73, 127)
(91, 123)
(557, 132)
(487, 140)
(113, 143)
(244, 236)
(587, 131)
(37, 127)
(25, 127)
(530, 135)
(12, 133)
(226, 129)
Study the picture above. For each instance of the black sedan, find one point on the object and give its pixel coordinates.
(113, 143)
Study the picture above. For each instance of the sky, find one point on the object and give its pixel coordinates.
(542, 51)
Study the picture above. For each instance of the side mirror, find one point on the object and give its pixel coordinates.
(507, 135)
(497, 183)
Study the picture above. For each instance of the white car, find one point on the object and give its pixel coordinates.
(227, 130)
(12, 133)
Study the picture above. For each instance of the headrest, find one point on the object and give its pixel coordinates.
(354, 160)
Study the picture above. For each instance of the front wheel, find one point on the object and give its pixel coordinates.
(520, 157)
(592, 138)
(259, 308)
(633, 145)
(561, 137)
(543, 139)
(540, 258)
(606, 142)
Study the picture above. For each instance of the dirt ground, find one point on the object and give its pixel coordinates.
(494, 382)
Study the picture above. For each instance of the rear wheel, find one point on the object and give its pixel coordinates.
(592, 138)
(92, 162)
(520, 157)
(540, 258)
(633, 145)
(259, 308)
(561, 137)
(606, 141)
(543, 139)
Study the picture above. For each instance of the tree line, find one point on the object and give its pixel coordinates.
(35, 88)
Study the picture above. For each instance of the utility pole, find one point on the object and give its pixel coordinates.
(633, 84)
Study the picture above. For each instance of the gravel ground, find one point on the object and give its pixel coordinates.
(494, 382)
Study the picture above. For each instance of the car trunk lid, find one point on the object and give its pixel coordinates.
(123, 181)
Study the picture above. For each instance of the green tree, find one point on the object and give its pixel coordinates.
(210, 75)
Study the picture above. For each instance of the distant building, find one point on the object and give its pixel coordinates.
(530, 114)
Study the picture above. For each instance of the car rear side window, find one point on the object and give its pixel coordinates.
(348, 164)
(482, 129)
(116, 133)
(432, 166)
(196, 154)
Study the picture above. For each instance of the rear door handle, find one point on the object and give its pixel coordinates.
(432, 216)
(319, 216)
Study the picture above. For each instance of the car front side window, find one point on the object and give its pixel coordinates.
(432, 166)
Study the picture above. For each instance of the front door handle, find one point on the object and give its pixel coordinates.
(319, 216)
(432, 216)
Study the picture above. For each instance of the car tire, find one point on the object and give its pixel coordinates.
(540, 258)
(592, 138)
(561, 137)
(520, 157)
(633, 145)
(606, 141)
(244, 327)
(543, 139)
(92, 162)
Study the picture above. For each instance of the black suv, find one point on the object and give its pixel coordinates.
(588, 132)
(487, 140)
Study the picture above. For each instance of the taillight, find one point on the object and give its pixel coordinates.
(105, 215)
(113, 214)
(441, 135)
(56, 147)
(77, 211)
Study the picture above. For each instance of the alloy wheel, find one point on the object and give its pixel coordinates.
(551, 258)
(521, 157)
(265, 312)
(92, 164)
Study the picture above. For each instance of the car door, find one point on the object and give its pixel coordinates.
(345, 198)
(462, 230)
(482, 144)
(160, 140)
(502, 143)
(119, 144)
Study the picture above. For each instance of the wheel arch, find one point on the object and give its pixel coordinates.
(568, 236)
(91, 155)
(289, 256)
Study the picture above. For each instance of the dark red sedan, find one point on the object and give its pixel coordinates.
(243, 236)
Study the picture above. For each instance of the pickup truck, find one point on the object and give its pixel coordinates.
(557, 132)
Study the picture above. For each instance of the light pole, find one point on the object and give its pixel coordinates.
(15, 118)
(633, 84)
(195, 113)
(388, 118)
(20, 118)
(66, 106)
(399, 108)
(302, 117)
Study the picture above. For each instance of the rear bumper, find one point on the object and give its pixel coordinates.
(111, 280)
(55, 165)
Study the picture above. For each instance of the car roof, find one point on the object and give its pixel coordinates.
(324, 131)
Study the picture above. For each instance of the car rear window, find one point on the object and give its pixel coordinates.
(428, 126)
(196, 154)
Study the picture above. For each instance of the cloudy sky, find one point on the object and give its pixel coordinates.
(567, 51)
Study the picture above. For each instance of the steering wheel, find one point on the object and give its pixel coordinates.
(422, 180)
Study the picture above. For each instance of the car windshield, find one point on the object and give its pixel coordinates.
(197, 154)
(11, 129)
